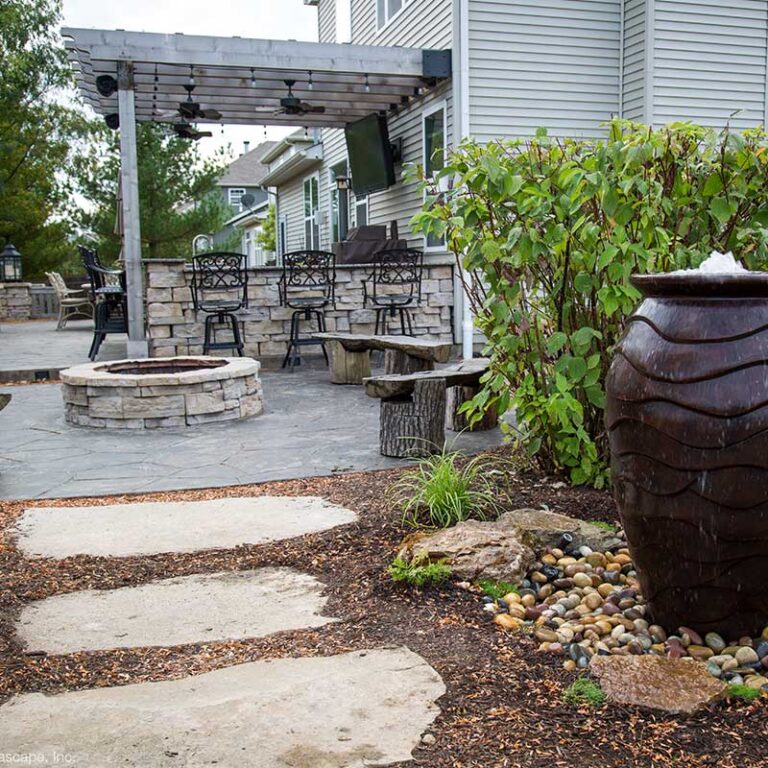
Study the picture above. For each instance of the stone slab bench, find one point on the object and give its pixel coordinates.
(417, 408)
(351, 354)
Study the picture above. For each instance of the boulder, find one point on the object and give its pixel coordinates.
(542, 528)
(670, 685)
(474, 550)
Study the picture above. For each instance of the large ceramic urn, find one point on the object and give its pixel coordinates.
(687, 414)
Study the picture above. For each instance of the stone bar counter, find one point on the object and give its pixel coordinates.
(176, 329)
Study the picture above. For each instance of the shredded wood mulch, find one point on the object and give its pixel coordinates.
(503, 706)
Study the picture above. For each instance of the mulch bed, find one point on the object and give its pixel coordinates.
(503, 707)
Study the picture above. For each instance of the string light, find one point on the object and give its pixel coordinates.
(191, 76)
(306, 132)
(265, 131)
(367, 84)
(253, 78)
(310, 84)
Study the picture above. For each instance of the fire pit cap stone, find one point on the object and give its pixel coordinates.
(208, 369)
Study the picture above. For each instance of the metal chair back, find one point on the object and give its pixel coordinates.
(399, 270)
(308, 274)
(219, 277)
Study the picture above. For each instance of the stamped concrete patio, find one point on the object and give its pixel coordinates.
(310, 427)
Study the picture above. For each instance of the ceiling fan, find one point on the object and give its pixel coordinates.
(191, 109)
(185, 130)
(293, 105)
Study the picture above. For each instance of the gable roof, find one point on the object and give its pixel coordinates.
(248, 170)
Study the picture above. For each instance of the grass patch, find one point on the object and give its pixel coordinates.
(496, 589)
(743, 692)
(584, 691)
(444, 489)
(418, 574)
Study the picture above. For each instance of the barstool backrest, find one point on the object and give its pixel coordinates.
(311, 272)
(219, 275)
(398, 267)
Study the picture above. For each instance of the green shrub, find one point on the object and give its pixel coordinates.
(496, 589)
(549, 232)
(743, 692)
(417, 574)
(442, 491)
(584, 691)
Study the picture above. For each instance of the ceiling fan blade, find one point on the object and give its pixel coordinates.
(313, 109)
(210, 114)
(168, 114)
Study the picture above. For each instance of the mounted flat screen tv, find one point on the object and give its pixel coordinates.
(370, 155)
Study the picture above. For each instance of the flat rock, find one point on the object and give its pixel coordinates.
(415, 346)
(349, 711)
(122, 530)
(187, 609)
(669, 685)
(542, 528)
(474, 550)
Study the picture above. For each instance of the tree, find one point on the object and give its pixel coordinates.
(38, 137)
(268, 235)
(178, 197)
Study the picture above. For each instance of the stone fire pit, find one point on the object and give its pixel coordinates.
(162, 392)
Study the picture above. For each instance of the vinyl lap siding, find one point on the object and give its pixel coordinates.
(326, 21)
(710, 61)
(633, 96)
(543, 63)
(292, 207)
(420, 24)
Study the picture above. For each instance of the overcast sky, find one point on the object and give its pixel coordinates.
(271, 19)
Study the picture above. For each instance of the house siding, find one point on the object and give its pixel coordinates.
(710, 62)
(420, 24)
(633, 69)
(543, 63)
(326, 21)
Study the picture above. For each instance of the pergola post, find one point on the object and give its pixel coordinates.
(129, 180)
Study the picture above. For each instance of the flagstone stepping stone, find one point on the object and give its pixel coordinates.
(188, 609)
(121, 530)
(348, 711)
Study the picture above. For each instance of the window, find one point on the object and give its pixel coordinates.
(386, 9)
(361, 211)
(311, 223)
(235, 196)
(434, 154)
(343, 21)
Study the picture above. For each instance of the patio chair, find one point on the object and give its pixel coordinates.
(72, 302)
(219, 289)
(308, 286)
(109, 299)
(395, 287)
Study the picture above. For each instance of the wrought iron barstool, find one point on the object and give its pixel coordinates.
(395, 286)
(308, 286)
(219, 289)
(108, 292)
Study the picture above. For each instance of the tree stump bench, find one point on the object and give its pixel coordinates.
(4, 400)
(351, 354)
(417, 408)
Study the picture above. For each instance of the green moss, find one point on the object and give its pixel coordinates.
(417, 574)
(605, 526)
(743, 692)
(496, 589)
(584, 691)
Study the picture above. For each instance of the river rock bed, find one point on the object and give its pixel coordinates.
(579, 603)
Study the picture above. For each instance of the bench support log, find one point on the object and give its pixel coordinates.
(348, 367)
(457, 422)
(414, 426)
(397, 361)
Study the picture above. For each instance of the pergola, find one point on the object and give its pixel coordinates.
(243, 80)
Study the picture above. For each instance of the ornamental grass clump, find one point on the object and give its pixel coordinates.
(445, 489)
(419, 573)
(549, 231)
(584, 691)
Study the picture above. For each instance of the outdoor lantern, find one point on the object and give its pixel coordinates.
(342, 183)
(10, 264)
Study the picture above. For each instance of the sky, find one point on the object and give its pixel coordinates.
(270, 19)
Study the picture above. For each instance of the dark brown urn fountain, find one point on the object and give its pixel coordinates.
(687, 414)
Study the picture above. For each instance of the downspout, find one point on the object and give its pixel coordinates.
(622, 32)
(461, 130)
